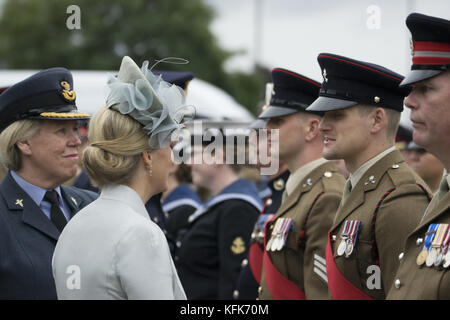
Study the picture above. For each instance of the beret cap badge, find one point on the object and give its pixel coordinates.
(68, 94)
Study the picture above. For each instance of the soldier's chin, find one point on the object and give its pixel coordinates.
(330, 154)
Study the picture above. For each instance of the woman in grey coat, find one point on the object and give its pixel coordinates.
(111, 249)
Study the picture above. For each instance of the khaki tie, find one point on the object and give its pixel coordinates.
(347, 190)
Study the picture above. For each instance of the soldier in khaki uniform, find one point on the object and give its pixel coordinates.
(295, 239)
(383, 198)
(423, 271)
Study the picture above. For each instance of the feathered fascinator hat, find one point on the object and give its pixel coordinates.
(158, 105)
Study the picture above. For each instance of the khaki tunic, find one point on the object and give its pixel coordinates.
(312, 207)
(389, 203)
(422, 282)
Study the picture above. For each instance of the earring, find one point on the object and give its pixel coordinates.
(150, 169)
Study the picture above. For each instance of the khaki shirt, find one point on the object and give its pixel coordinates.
(389, 203)
(312, 206)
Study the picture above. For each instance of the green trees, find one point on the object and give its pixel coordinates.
(34, 34)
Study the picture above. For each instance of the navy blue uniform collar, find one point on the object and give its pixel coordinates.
(241, 189)
(181, 195)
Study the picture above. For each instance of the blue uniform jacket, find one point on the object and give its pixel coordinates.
(28, 239)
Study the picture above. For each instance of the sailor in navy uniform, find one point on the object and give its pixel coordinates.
(34, 206)
(209, 257)
(179, 204)
(250, 275)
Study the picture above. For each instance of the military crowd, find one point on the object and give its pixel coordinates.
(359, 208)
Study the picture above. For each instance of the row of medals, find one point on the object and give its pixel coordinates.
(279, 234)
(435, 251)
(258, 230)
(348, 238)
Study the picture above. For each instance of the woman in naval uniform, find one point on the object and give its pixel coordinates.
(112, 250)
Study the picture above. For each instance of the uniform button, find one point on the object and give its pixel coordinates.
(400, 256)
(395, 166)
(333, 237)
(178, 244)
(235, 294)
(269, 202)
(419, 241)
(259, 289)
(397, 284)
(244, 263)
(176, 258)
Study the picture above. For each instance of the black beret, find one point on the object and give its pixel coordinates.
(180, 79)
(349, 82)
(292, 93)
(430, 47)
(47, 94)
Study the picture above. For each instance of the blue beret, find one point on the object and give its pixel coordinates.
(47, 94)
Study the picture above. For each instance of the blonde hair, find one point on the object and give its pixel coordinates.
(10, 155)
(116, 144)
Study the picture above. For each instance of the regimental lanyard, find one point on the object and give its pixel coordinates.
(349, 237)
(279, 235)
(429, 236)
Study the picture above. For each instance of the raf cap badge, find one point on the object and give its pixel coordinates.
(68, 94)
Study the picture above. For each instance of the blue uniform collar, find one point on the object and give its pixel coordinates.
(181, 195)
(240, 189)
(36, 193)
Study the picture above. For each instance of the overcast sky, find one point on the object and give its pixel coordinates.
(293, 32)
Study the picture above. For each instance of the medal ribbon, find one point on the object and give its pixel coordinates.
(446, 239)
(439, 236)
(429, 236)
(287, 227)
(346, 229)
(354, 232)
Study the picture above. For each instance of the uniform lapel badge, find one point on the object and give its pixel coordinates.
(68, 94)
(349, 237)
(429, 236)
(19, 202)
(238, 246)
(74, 201)
(308, 183)
(371, 180)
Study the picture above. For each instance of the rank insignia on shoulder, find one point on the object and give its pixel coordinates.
(238, 246)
